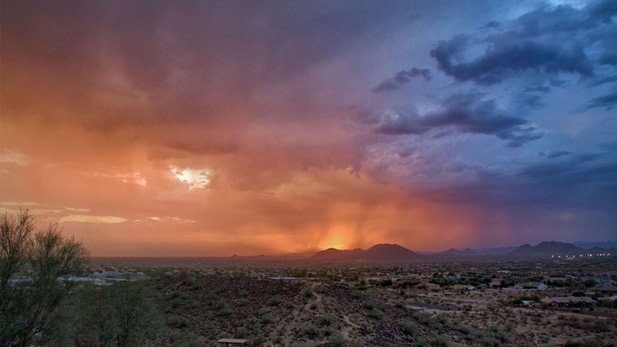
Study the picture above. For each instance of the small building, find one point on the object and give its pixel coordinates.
(377, 280)
(569, 302)
(531, 286)
(608, 299)
(559, 280)
(496, 283)
(606, 289)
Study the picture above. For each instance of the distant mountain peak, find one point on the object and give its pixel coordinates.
(547, 248)
(379, 253)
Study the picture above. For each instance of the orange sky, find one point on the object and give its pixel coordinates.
(220, 128)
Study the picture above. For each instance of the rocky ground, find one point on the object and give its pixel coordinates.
(201, 308)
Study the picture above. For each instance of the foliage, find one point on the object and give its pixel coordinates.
(186, 340)
(311, 331)
(326, 320)
(32, 263)
(408, 328)
(337, 340)
(118, 315)
(376, 313)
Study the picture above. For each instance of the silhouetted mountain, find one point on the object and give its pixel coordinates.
(495, 251)
(338, 254)
(377, 253)
(604, 245)
(476, 252)
(597, 250)
(260, 256)
(388, 252)
(548, 248)
(457, 252)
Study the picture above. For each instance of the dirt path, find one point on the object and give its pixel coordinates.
(349, 327)
(318, 300)
(300, 313)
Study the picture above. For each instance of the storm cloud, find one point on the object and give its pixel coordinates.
(468, 114)
(214, 128)
(402, 78)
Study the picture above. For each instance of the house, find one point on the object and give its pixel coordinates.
(609, 299)
(569, 302)
(531, 285)
(559, 280)
(607, 289)
(496, 283)
(527, 303)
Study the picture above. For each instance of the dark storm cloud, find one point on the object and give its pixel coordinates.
(540, 88)
(402, 78)
(583, 181)
(467, 113)
(547, 40)
(610, 146)
(609, 101)
(492, 25)
(557, 154)
(608, 59)
(552, 170)
(600, 81)
(148, 67)
(502, 62)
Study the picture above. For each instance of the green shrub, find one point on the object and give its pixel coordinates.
(376, 313)
(311, 331)
(223, 307)
(275, 300)
(421, 342)
(186, 340)
(337, 340)
(176, 321)
(442, 341)
(326, 320)
(302, 344)
(242, 332)
(408, 328)
(267, 318)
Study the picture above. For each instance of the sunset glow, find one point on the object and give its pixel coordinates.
(217, 128)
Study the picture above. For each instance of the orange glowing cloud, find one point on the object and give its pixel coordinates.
(220, 128)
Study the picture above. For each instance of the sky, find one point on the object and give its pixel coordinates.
(212, 128)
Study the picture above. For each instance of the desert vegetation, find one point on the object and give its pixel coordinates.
(54, 295)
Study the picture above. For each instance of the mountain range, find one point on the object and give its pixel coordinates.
(377, 253)
(397, 253)
(557, 248)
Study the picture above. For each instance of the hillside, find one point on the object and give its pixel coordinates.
(548, 248)
(377, 253)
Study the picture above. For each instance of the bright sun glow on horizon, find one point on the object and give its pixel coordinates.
(335, 239)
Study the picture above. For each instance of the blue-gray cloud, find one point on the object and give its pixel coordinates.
(467, 113)
(401, 78)
(557, 154)
(549, 41)
(505, 61)
(609, 101)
